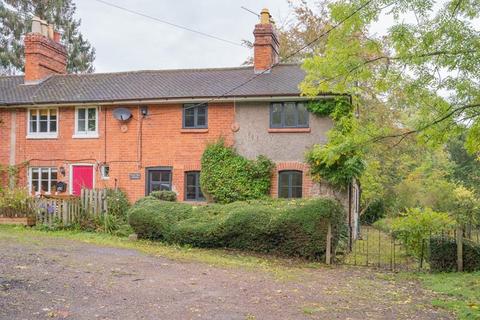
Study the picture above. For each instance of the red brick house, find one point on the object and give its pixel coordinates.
(146, 130)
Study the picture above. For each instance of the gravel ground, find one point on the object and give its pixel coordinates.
(44, 278)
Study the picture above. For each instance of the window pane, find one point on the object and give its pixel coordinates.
(189, 115)
(81, 125)
(202, 116)
(81, 114)
(91, 125)
(53, 125)
(290, 114)
(190, 193)
(33, 115)
(296, 179)
(53, 180)
(155, 176)
(283, 180)
(155, 187)
(302, 115)
(43, 126)
(296, 192)
(165, 176)
(92, 113)
(283, 192)
(276, 115)
(33, 126)
(165, 186)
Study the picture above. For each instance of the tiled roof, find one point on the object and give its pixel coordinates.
(149, 85)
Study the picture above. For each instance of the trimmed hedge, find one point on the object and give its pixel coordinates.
(164, 195)
(287, 228)
(443, 255)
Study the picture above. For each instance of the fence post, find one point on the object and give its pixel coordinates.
(459, 241)
(328, 253)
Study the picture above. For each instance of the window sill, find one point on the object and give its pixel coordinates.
(42, 136)
(85, 136)
(289, 130)
(205, 130)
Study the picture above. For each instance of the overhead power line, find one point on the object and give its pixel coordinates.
(289, 56)
(360, 8)
(170, 23)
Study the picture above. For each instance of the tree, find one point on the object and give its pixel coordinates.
(426, 72)
(15, 21)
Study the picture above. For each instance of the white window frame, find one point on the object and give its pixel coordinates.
(86, 134)
(30, 182)
(41, 135)
(102, 172)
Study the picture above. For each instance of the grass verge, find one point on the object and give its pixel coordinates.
(459, 292)
(282, 268)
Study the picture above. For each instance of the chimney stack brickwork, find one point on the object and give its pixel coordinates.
(44, 55)
(266, 46)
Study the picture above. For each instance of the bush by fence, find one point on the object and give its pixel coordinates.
(443, 255)
(289, 228)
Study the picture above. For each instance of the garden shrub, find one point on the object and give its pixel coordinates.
(117, 204)
(164, 195)
(443, 255)
(227, 177)
(417, 225)
(289, 228)
(153, 219)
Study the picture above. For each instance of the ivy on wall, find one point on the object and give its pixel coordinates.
(227, 176)
(339, 161)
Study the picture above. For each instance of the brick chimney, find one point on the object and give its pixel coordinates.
(44, 54)
(266, 45)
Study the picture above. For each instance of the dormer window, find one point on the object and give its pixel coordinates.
(288, 115)
(42, 123)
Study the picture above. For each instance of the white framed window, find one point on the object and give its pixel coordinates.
(42, 123)
(105, 171)
(86, 122)
(43, 180)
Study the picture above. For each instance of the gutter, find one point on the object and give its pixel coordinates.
(176, 101)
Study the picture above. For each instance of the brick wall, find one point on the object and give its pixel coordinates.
(163, 143)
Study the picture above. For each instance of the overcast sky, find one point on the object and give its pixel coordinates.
(124, 41)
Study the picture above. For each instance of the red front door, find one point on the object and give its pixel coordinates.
(82, 177)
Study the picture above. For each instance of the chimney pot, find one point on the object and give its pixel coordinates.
(57, 36)
(50, 31)
(36, 25)
(265, 16)
(44, 28)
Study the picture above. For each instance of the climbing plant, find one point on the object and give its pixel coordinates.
(227, 176)
(340, 160)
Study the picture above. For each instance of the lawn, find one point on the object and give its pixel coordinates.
(282, 267)
(460, 292)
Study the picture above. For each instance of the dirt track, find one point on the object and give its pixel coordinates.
(44, 278)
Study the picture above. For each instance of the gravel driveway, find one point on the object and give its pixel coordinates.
(43, 277)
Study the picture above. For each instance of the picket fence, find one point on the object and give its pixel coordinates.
(67, 210)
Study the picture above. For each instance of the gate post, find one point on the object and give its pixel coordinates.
(459, 241)
(328, 252)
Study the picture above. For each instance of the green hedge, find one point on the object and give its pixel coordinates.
(288, 228)
(164, 195)
(443, 255)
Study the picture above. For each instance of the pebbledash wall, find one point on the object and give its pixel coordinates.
(156, 140)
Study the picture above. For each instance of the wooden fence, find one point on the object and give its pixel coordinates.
(67, 210)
